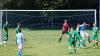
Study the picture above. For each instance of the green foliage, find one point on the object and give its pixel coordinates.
(29, 4)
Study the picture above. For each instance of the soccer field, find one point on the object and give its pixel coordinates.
(44, 43)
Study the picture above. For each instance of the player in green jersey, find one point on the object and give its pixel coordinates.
(72, 41)
(5, 34)
(94, 35)
(18, 27)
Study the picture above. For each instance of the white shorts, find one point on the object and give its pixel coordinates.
(83, 34)
(20, 46)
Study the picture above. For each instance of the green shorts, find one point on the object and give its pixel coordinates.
(71, 42)
(94, 37)
(4, 37)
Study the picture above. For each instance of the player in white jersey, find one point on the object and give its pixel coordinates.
(84, 34)
(19, 42)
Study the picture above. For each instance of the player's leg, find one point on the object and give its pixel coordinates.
(78, 39)
(82, 42)
(70, 47)
(19, 49)
(7, 37)
(67, 36)
(96, 40)
(4, 43)
(74, 46)
(88, 36)
(4, 38)
(61, 36)
(96, 43)
(93, 41)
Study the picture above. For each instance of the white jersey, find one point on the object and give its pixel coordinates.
(19, 38)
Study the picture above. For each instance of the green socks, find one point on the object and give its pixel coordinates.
(72, 51)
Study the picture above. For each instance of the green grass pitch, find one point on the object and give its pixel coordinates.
(44, 43)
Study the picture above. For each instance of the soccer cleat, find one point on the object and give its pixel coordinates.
(84, 45)
(60, 40)
(70, 53)
(89, 41)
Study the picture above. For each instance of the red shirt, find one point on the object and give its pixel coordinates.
(65, 27)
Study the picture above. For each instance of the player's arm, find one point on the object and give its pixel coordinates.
(87, 24)
(23, 38)
(68, 28)
(63, 28)
(16, 40)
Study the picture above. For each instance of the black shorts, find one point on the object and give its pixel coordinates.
(78, 32)
(64, 32)
(74, 43)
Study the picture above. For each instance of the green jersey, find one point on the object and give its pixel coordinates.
(78, 33)
(5, 29)
(95, 33)
(72, 35)
(72, 38)
(5, 32)
(17, 29)
(95, 30)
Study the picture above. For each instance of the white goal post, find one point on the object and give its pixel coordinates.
(59, 10)
(0, 25)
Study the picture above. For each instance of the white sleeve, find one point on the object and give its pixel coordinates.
(22, 35)
(81, 25)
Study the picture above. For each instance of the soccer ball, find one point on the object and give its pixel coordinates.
(4, 42)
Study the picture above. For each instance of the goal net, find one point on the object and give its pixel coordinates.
(48, 19)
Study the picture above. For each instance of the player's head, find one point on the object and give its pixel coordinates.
(84, 23)
(65, 20)
(78, 24)
(71, 29)
(19, 30)
(18, 24)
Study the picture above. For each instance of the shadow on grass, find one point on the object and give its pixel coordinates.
(27, 55)
(90, 48)
(30, 55)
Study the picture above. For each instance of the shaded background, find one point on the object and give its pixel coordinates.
(50, 5)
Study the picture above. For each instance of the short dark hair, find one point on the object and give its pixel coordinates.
(19, 30)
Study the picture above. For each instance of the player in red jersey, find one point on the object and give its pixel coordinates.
(65, 29)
